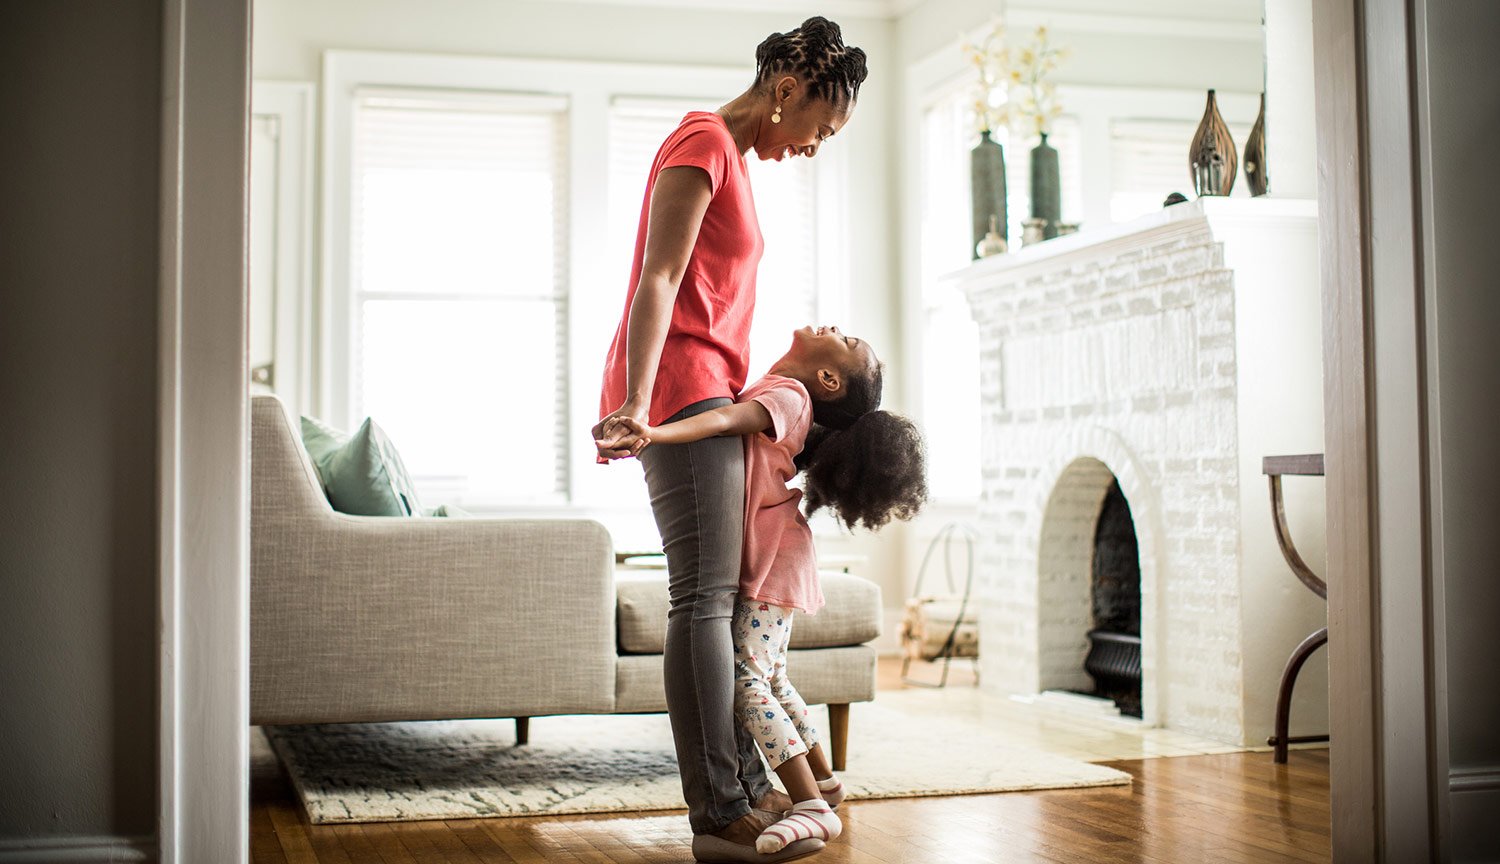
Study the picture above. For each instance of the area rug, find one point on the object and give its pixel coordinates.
(392, 772)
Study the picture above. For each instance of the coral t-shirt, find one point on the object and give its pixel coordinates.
(707, 351)
(779, 564)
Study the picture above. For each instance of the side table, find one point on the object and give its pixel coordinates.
(1276, 467)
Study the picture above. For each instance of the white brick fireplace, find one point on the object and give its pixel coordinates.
(1171, 355)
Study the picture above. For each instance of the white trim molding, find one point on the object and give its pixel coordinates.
(203, 418)
(293, 107)
(78, 850)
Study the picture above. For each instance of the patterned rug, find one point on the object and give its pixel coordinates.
(465, 769)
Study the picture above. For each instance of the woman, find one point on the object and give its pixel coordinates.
(682, 348)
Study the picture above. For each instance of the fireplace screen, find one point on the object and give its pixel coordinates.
(1114, 658)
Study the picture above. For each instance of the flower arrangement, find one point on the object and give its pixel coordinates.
(1039, 105)
(991, 61)
(1025, 72)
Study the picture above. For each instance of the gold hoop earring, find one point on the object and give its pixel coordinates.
(776, 115)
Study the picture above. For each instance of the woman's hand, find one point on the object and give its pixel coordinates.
(622, 434)
(609, 434)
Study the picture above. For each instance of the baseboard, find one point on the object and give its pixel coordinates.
(78, 850)
(1473, 801)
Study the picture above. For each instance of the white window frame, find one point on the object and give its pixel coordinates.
(589, 89)
(292, 105)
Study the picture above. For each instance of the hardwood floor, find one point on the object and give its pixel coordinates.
(1229, 807)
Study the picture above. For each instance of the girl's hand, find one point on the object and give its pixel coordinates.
(624, 435)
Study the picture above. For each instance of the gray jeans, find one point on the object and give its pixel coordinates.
(698, 497)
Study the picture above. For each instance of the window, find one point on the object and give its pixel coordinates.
(950, 339)
(1148, 159)
(458, 277)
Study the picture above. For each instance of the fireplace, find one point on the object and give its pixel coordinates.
(1131, 379)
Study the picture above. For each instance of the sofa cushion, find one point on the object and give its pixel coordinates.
(851, 616)
(822, 676)
(362, 474)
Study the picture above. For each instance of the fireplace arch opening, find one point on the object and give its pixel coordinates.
(1089, 627)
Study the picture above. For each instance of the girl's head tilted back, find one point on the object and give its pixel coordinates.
(816, 54)
(866, 465)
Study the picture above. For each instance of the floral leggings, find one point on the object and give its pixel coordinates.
(764, 700)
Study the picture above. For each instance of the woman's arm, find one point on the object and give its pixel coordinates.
(678, 201)
(630, 436)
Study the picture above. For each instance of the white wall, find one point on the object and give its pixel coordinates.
(78, 369)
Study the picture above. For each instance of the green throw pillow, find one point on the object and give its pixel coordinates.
(362, 474)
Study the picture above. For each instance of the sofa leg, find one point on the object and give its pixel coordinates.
(523, 730)
(838, 733)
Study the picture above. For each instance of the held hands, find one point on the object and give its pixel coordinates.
(621, 436)
(632, 409)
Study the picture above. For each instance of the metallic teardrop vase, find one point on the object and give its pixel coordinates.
(1255, 154)
(1211, 159)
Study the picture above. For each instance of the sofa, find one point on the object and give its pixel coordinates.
(381, 619)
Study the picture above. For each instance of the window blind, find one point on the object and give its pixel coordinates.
(459, 284)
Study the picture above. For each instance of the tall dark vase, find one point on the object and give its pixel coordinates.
(1255, 154)
(987, 188)
(1211, 159)
(1046, 187)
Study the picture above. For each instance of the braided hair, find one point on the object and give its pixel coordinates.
(816, 54)
(865, 465)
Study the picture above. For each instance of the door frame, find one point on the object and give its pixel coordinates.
(1388, 759)
(202, 414)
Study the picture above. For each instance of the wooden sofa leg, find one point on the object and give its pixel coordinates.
(523, 730)
(838, 733)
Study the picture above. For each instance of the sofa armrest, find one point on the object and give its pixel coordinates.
(369, 619)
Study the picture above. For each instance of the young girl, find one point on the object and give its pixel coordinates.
(815, 411)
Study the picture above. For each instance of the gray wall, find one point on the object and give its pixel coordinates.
(81, 86)
(1463, 93)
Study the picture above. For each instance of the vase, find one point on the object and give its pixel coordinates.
(992, 244)
(1046, 187)
(1211, 159)
(1255, 153)
(1033, 231)
(987, 188)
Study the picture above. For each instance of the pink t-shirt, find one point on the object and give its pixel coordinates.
(707, 352)
(778, 565)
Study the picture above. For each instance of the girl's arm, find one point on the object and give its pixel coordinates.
(741, 418)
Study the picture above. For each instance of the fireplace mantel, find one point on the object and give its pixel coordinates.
(1170, 353)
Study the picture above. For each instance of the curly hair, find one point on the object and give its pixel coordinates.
(815, 53)
(865, 465)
